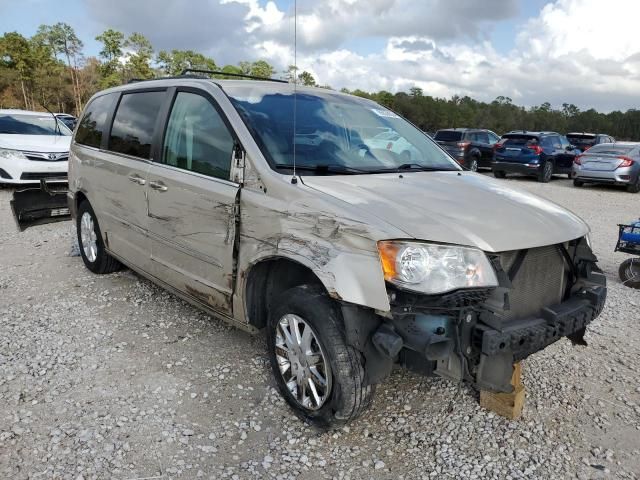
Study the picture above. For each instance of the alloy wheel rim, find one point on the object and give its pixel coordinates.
(302, 362)
(474, 166)
(88, 237)
(547, 171)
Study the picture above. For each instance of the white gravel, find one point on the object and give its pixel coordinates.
(112, 377)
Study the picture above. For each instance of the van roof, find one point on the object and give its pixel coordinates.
(268, 85)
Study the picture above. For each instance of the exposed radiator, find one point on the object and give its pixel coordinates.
(539, 283)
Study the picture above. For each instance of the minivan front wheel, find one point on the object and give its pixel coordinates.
(92, 248)
(317, 373)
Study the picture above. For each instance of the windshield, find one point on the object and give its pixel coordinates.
(20, 124)
(334, 133)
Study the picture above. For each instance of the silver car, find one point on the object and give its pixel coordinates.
(350, 258)
(613, 163)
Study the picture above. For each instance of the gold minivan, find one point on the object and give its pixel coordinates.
(276, 207)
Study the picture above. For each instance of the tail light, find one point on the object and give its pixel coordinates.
(464, 144)
(499, 144)
(626, 162)
(585, 149)
(578, 160)
(537, 149)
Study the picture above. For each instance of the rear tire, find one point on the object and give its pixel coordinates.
(578, 183)
(347, 396)
(634, 188)
(92, 249)
(546, 173)
(499, 174)
(629, 272)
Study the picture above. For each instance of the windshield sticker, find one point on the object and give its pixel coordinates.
(384, 113)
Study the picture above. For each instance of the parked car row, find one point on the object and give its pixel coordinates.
(584, 157)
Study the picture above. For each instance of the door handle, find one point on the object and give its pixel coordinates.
(160, 186)
(137, 179)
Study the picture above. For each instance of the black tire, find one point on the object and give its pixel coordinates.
(499, 174)
(473, 164)
(629, 272)
(348, 397)
(578, 183)
(545, 174)
(634, 187)
(103, 263)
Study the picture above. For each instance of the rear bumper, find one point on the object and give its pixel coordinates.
(516, 167)
(620, 176)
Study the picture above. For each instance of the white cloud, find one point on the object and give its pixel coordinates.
(577, 51)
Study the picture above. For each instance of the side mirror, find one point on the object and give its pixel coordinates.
(570, 148)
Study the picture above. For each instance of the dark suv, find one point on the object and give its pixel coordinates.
(539, 154)
(584, 141)
(471, 147)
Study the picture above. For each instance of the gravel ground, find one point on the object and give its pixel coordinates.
(112, 377)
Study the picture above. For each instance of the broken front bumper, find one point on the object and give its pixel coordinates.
(527, 336)
(463, 336)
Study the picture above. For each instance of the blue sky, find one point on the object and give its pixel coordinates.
(577, 51)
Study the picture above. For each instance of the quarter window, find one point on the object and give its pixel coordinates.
(134, 122)
(483, 137)
(93, 121)
(197, 138)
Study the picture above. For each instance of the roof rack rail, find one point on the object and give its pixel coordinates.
(186, 71)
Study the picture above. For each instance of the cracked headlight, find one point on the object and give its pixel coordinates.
(432, 268)
(12, 154)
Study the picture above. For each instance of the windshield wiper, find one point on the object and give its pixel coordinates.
(332, 168)
(422, 168)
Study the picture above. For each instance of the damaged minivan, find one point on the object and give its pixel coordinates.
(272, 207)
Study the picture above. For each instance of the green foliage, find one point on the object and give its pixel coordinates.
(305, 78)
(261, 69)
(139, 55)
(174, 62)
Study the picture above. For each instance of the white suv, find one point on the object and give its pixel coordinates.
(33, 146)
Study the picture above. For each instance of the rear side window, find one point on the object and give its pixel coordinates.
(197, 138)
(482, 137)
(93, 121)
(448, 136)
(134, 123)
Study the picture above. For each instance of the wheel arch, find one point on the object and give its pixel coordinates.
(267, 278)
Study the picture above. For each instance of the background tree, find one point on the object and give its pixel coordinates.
(63, 41)
(175, 61)
(305, 78)
(111, 53)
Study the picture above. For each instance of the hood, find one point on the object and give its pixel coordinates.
(457, 208)
(36, 143)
